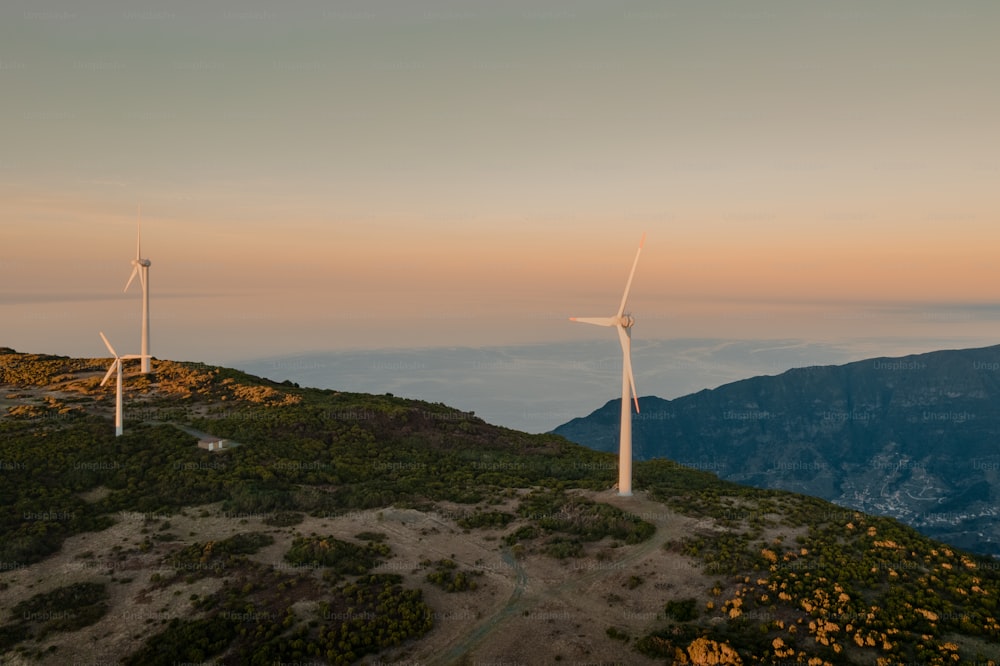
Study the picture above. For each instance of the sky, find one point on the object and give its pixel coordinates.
(333, 176)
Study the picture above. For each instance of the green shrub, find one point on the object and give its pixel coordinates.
(682, 610)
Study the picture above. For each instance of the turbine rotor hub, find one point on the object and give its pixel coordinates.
(627, 321)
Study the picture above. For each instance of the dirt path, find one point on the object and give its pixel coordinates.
(571, 590)
(513, 606)
(194, 432)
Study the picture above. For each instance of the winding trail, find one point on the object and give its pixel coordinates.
(564, 589)
(513, 606)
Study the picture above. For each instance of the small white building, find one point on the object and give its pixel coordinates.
(213, 444)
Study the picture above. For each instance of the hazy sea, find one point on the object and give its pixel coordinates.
(538, 387)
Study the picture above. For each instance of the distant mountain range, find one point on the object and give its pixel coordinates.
(916, 438)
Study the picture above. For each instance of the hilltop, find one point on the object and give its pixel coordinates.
(914, 438)
(355, 528)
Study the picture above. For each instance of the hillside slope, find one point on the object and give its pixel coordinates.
(914, 438)
(351, 528)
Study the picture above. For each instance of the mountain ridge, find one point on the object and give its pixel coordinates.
(912, 437)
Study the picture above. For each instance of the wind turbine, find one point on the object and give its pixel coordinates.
(117, 365)
(140, 267)
(623, 323)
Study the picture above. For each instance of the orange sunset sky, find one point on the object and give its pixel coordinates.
(393, 174)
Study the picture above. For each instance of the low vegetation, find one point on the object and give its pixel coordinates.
(794, 579)
(559, 523)
(848, 588)
(446, 575)
(339, 557)
(66, 608)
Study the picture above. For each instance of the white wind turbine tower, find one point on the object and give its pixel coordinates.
(623, 322)
(140, 267)
(117, 365)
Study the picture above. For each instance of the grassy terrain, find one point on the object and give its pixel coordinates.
(792, 578)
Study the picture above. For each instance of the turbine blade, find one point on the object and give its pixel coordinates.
(626, 339)
(111, 370)
(597, 321)
(110, 348)
(628, 285)
(128, 284)
(138, 235)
